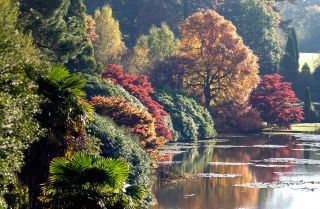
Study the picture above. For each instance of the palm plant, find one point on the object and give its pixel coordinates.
(90, 182)
(63, 116)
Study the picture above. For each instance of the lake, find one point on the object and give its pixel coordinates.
(248, 171)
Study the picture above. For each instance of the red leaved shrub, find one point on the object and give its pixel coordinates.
(275, 100)
(140, 87)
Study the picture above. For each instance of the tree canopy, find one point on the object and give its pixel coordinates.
(275, 100)
(258, 27)
(58, 27)
(223, 67)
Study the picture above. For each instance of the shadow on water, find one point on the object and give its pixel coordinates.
(256, 171)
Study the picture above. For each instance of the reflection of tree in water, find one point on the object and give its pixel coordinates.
(197, 159)
(211, 193)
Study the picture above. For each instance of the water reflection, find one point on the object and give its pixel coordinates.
(221, 193)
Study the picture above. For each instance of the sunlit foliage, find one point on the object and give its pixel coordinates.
(141, 88)
(124, 113)
(18, 98)
(222, 68)
(108, 44)
(275, 101)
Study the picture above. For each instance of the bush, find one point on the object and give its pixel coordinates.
(118, 142)
(140, 87)
(191, 120)
(97, 86)
(237, 117)
(124, 113)
(18, 98)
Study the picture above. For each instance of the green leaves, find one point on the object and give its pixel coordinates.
(90, 181)
(83, 170)
(18, 98)
(191, 120)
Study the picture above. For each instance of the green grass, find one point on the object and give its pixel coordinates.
(306, 127)
(297, 128)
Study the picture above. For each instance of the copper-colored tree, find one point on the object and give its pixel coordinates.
(224, 68)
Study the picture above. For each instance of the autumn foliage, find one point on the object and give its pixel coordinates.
(124, 113)
(237, 117)
(275, 101)
(91, 28)
(140, 87)
(223, 67)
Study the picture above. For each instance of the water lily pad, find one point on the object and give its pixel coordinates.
(229, 146)
(290, 161)
(228, 163)
(272, 166)
(296, 185)
(307, 150)
(218, 175)
(269, 146)
(169, 162)
(171, 151)
(307, 137)
(189, 195)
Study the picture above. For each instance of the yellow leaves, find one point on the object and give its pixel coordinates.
(224, 63)
(108, 44)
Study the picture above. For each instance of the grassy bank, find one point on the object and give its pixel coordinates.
(298, 128)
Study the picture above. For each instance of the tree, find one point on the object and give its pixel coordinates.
(77, 24)
(108, 44)
(88, 181)
(316, 83)
(290, 60)
(303, 17)
(18, 96)
(308, 108)
(304, 80)
(159, 44)
(63, 115)
(141, 88)
(58, 28)
(126, 12)
(91, 28)
(223, 68)
(275, 100)
(258, 27)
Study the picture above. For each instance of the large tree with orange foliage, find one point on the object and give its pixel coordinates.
(223, 68)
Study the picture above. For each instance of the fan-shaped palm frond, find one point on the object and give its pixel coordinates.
(89, 182)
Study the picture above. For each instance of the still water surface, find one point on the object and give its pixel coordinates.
(238, 172)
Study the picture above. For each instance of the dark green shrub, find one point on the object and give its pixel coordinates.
(96, 86)
(118, 142)
(190, 120)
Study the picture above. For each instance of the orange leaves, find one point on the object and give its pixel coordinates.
(124, 113)
(225, 68)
